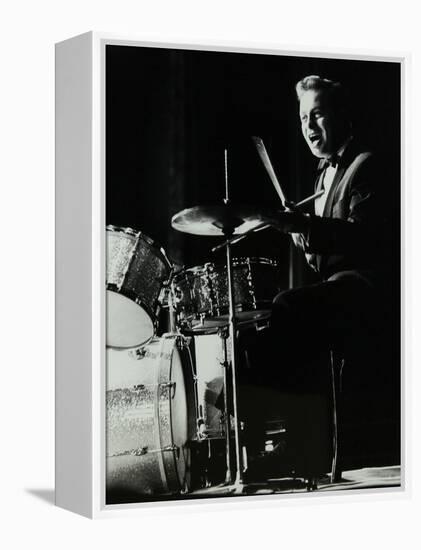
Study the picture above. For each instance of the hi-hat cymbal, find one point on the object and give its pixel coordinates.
(218, 220)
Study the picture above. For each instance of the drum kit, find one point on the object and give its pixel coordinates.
(172, 397)
(162, 394)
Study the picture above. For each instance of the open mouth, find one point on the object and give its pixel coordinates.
(315, 139)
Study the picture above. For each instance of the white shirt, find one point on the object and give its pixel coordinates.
(328, 177)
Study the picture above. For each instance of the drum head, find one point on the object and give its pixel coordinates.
(179, 415)
(128, 324)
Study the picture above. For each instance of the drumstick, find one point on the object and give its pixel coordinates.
(261, 149)
(310, 198)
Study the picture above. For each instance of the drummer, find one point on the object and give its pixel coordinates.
(349, 240)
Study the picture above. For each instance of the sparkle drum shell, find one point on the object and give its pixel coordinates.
(201, 292)
(150, 408)
(136, 271)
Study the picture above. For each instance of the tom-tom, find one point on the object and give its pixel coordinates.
(201, 293)
(136, 271)
(151, 418)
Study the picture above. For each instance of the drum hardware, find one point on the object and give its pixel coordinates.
(138, 353)
(163, 385)
(182, 341)
(134, 452)
(224, 334)
(250, 284)
(141, 387)
(172, 385)
(228, 232)
(234, 240)
(201, 428)
(141, 451)
(171, 306)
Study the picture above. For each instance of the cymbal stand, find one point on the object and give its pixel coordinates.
(228, 233)
(223, 334)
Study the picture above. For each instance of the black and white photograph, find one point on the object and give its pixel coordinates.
(253, 274)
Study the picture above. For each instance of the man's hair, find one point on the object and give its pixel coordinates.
(336, 93)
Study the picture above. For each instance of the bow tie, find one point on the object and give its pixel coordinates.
(332, 161)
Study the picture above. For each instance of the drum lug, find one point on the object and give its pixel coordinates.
(138, 353)
(183, 342)
(171, 448)
(223, 332)
(141, 451)
(201, 430)
(250, 284)
(224, 364)
(169, 385)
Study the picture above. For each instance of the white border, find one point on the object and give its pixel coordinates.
(74, 321)
(99, 509)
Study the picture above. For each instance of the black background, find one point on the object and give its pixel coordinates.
(171, 113)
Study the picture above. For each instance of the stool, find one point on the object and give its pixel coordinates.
(337, 362)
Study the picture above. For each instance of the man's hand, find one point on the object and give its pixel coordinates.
(290, 222)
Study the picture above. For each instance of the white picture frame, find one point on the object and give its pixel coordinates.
(80, 271)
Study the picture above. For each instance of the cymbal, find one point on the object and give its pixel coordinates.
(218, 220)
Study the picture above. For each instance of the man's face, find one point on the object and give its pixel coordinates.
(318, 123)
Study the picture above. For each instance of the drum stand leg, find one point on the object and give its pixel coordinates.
(238, 483)
(228, 476)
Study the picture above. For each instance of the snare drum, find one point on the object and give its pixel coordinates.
(201, 293)
(151, 417)
(136, 271)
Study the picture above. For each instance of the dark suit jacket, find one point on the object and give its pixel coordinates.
(359, 230)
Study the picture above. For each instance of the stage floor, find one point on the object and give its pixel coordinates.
(365, 478)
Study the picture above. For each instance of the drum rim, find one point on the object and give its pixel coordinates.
(206, 330)
(254, 260)
(153, 316)
(172, 474)
(241, 260)
(141, 235)
(120, 229)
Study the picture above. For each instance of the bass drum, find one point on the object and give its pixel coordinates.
(151, 420)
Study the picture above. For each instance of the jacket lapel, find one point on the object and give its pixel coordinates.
(344, 162)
